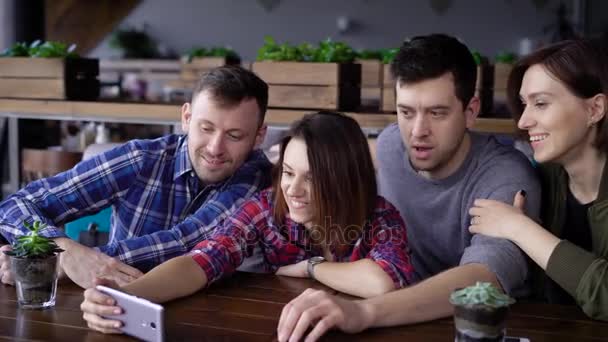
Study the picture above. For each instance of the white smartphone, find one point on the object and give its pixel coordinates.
(140, 317)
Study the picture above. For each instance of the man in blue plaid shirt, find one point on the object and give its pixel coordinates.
(167, 194)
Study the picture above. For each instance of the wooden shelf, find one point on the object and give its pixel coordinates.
(91, 111)
(170, 114)
(140, 65)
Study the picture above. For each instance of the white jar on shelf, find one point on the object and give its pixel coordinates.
(103, 134)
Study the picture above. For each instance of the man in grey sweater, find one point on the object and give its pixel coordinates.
(432, 168)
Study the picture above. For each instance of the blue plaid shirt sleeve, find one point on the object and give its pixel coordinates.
(85, 189)
(150, 250)
(142, 181)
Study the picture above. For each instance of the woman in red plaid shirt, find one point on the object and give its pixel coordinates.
(322, 219)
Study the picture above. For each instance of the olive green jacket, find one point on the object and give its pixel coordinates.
(583, 274)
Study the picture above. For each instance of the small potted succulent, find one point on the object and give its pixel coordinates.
(480, 312)
(34, 260)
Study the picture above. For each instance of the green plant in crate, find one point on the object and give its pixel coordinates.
(134, 43)
(48, 49)
(506, 57)
(477, 57)
(480, 60)
(388, 55)
(52, 50)
(272, 51)
(330, 51)
(307, 52)
(33, 245)
(366, 54)
(19, 49)
(219, 51)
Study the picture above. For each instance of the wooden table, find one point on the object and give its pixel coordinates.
(246, 307)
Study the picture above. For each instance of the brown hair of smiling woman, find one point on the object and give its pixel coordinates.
(343, 178)
(577, 64)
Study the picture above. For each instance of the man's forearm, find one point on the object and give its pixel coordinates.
(63, 243)
(362, 278)
(427, 300)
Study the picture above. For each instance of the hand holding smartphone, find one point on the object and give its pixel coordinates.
(140, 318)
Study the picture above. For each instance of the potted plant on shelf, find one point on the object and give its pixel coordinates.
(502, 69)
(388, 103)
(483, 83)
(371, 77)
(34, 261)
(134, 43)
(199, 59)
(480, 312)
(49, 70)
(310, 77)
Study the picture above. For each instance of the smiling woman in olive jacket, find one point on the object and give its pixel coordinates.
(559, 96)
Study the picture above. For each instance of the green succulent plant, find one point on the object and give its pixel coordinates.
(481, 293)
(33, 245)
(41, 49)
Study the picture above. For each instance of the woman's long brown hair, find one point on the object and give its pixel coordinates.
(344, 188)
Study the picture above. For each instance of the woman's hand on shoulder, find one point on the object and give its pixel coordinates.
(498, 219)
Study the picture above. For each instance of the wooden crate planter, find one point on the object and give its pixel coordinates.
(501, 77)
(191, 71)
(388, 91)
(371, 73)
(371, 83)
(49, 78)
(483, 89)
(311, 85)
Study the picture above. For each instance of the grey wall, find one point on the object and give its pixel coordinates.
(7, 24)
(488, 26)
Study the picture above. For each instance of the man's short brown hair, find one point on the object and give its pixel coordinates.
(230, 85)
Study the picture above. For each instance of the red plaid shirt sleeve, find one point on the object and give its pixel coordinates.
(389, 245)
(233, 241)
